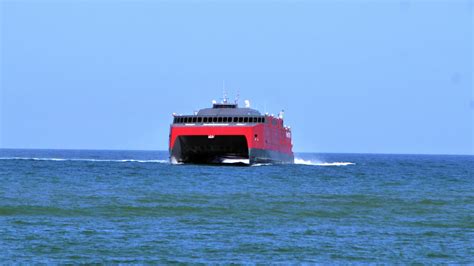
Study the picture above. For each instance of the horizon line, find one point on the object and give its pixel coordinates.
(150, 150)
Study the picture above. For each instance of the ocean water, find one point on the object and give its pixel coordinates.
(135, 207)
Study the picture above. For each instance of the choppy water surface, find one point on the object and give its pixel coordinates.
(102, 206)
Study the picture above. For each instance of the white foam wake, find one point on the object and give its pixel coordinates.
(260, 164)
(318, 163)
(241, 161)
(84, 160)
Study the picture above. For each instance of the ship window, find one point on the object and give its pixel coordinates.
(229, 119)
(199, 119)
(241, 119)
(219, 120)
(214, 119)
(224, 119)
(260, 120)
(246, 119)
(255, 119)
(204, 119)
(236, 119)
(194, 119)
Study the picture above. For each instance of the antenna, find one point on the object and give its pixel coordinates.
(237, 97)
(224, 93)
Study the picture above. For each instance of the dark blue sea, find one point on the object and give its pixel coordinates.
(59, 206)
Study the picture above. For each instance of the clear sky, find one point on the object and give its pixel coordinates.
(352, 76)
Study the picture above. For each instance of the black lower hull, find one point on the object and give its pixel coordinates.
(222, 149)
(269, 156)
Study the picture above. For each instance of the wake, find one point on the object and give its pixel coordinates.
(297, 161)
(318, 163)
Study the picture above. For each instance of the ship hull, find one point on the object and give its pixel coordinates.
(269, 156)
(228, 144)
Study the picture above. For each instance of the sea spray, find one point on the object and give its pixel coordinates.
(319, 163)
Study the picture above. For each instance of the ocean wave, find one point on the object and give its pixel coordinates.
(318, 163)
(84, 160)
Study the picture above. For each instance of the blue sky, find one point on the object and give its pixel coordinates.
(352, 76)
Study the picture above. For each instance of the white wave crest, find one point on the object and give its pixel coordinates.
(84, 160)
(318, 163)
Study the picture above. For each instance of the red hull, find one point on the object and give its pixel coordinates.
(269, 141)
